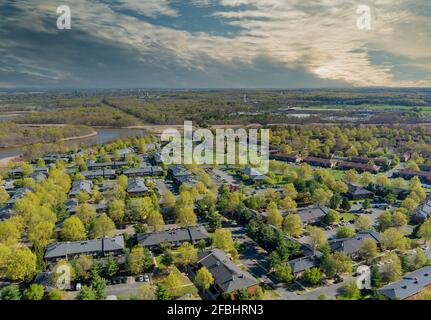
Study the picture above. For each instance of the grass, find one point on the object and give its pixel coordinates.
(348, 216)
(338, 174)
(186, 286)
(271, 295)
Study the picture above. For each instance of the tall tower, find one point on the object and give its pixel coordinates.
(245, 98)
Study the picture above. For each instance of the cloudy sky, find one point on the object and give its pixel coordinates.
(215, 43)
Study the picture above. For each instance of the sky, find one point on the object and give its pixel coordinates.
(215, 44)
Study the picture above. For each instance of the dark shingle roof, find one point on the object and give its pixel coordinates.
(312, 213)
(409, 285)
(227, 275)
(189, 234)
(351, 245)
(61, 249)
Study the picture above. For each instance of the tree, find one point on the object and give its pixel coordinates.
(101, 227)
(5, 253)
(42, 233)
(4, 196)
(167, 258)
(116, 210)
(169, 199)
(424, 231)
(111, 268)
(22, 264)
(123, 181)
(162, 292)
(283, 272)
(87, 293)
(332, 217)
(312, 276)
(409, 204)
(146, 292)
(345, 232)
(343, 264)
(172, 282)
(83, 265)
(186, 217)
(368, 250)
(288, 204)
(82, 197)
(155, 220)
(290, 191)
(204, 279)
(391, 269)
(321, 196)
(10, 232)
(363, 223)
(274, 216)
(186, 254)
(392, 239)
(72, 230)
(222, 239)
(350, 291)
(138, 259)
(86, 213)
(10, 293)
(366, 204)
(345, 204)
(318, 237)
(34, 292)
(99, 286)
(293, 225)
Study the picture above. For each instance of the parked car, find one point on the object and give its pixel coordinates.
(146, 278)
(140, 278)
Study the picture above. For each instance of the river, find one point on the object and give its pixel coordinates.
(103, 136)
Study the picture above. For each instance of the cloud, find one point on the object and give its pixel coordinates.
(318, 39)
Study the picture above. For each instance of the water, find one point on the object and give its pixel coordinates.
(103, 136)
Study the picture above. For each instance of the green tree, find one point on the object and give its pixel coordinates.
(332, 217)
(204, 279)
(186, 217)
(116, 210)
(86, 213)
(345, 232)
(363, 223)
(22, 264)
(55, 294)
(138, 259)
(283, 272)
(317, 236)
(10, 293)
(350, 291)
(274, 216)
(392, 239)
(87, 293)
(368, 250)
(424, 231)
(72, 230)
(101, 227)
(312, 276)
(34, 292)
(83, 265)
(186, 254)
(99, 286)
(293, 225)
(111, 268)
(162, 292)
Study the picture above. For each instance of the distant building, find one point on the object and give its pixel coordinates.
(143, 172)
(320, 162)
(18, 195)
(312, 215)
(360, 167)
(136, 186)
(174, 237)
(350, 246)
(409, 174)
(409, 286)
(422, 212)
(254, 174)
(98, 248)
(295, 158)
(102, 173)
(358, 192)
(78, 186)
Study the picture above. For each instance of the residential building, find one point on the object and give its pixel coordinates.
(350, 246)
(174, 237)
(360, 167)
(228, 277)
(312, 215)
(320, 162)
(78, 186)
(102, 173)
(409, 286)
(422, 212)
(97, 248)
(136, 186)
(356, 192)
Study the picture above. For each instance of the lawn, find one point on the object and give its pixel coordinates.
(185, 287)
(348, 216)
